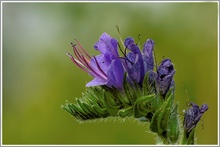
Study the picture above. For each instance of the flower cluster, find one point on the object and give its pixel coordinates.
(108, 68)
(125, 84)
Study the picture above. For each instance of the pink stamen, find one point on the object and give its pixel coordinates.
(83, 62)
(77, 54)
(79, 65)
(82, 49)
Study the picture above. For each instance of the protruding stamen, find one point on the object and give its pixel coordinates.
(82, 48)
(78, 63)
(78, 54)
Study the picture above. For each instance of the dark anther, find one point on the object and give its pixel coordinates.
(162, 76)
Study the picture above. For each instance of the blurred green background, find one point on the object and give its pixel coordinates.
(38, 76)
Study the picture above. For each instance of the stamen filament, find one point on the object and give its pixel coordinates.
(77, 54)
(82, 48)
(78, 63)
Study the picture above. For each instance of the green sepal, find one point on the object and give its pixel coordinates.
(160, 118)
(79, 113)
(148, 86)
(118, 95)
(67, 108)
(153, 124)
(173, 126)
(142, 106)
(188, 138)
(131, 91)
(90, 110)
(110, 103)
(127, 112)
(94, 95)
(103, 113)
(85, 109)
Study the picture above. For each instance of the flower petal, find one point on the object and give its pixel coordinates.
(148, 55)
(130, 44)
(135, 68)
(115, 74)
(107, 45)
(103, 62)
(204, 108)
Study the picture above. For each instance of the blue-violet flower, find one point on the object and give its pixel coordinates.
(164, 77)
(192, 116)
(137, 64)
(106, 68)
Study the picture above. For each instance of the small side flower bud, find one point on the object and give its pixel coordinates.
(164, 79)
(191, 118)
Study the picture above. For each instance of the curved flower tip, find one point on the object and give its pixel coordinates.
(128, 41)
(164, 79)
(130, 44)
(148, 48)
(107, 45)
(193, 116)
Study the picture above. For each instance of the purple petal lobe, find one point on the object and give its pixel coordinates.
(115, 74)
(96, 82)
(104, 62)
(204, 108)
(128, 41)
(107, 45)
(148, 55)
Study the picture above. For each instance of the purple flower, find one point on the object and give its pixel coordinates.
(138, 63)
(192, 116)
(134, 64)
(106, 68)
(164, 77)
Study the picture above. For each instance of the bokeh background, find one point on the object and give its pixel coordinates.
(38, 76)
